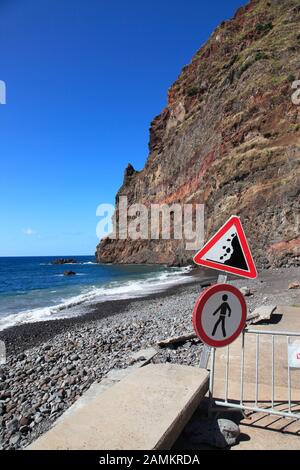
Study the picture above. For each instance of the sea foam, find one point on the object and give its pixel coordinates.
(114, 290)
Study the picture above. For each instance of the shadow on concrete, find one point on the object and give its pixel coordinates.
(275, 318)
(188, 440)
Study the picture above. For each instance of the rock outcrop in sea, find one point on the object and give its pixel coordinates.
(229, 138)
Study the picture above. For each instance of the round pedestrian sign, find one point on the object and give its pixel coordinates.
(219, 315)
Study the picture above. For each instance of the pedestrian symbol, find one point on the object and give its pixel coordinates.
(223, 311)
(219, 315)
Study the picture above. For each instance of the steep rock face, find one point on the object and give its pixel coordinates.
(229, 138)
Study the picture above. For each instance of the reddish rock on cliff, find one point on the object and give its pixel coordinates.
(229, 138)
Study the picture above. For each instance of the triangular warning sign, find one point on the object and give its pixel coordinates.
(228, 251)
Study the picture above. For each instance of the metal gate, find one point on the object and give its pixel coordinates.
(290, 377)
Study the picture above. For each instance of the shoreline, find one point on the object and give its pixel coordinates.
(19, 338)
(51, 364)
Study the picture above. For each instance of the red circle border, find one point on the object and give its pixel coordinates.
(198, 309)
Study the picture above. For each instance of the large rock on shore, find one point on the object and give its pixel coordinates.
(229, 138)
(64, 261)
(220, 433)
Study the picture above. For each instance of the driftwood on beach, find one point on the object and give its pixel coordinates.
(176, 339)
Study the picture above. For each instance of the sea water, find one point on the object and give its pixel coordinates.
(34, 289)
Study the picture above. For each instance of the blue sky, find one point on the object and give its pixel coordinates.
(84, 79)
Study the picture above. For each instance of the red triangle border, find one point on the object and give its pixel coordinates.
(234, 220)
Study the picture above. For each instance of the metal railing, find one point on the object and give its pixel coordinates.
(245, 404)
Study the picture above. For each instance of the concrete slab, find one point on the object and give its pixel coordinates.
(146, 410)
(290, 318)
(269, 433)
(262, 313)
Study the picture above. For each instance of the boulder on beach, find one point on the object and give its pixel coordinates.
(294, 285)
(246, 291)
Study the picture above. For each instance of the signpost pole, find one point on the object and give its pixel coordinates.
(227, 251)
(222, 279)
(211, 376)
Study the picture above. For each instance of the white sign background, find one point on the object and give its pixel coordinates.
(294, 354)
(231, 323)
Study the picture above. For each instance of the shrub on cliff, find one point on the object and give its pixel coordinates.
(264, 28)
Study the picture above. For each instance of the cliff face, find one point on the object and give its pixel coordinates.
(229, 138)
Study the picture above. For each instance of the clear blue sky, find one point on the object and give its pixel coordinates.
(84, 79)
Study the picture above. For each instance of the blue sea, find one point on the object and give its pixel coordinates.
(33, 289)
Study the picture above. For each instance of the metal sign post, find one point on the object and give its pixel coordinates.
(207, 352)
(220, 313)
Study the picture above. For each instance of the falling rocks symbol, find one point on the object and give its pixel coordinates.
(234, 250)
(228, 251)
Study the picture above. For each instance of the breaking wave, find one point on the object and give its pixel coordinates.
(114, 290)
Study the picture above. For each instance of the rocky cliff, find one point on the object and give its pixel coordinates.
(229, 137)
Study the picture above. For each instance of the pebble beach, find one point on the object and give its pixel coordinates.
(51, 364)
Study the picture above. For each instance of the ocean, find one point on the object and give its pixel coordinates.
(33, 289)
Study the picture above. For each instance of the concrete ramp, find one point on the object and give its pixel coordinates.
(146, 410)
